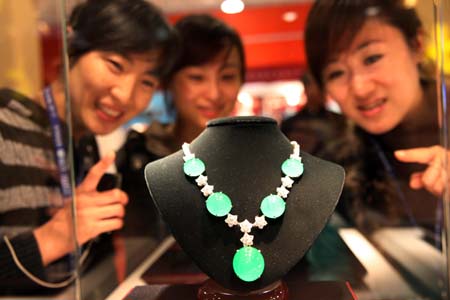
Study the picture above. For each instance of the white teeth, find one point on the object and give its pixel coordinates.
(371, 106)
(110, 112)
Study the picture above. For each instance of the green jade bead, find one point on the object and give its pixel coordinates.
(248, 263)
(218, 204)
(194, 167)
(273, 206)
(292, 167)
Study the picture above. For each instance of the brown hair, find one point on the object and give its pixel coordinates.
(333, 24)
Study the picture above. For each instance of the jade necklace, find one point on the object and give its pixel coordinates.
(248, 262)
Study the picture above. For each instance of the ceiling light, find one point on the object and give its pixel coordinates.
(290, 16)
(232, 6)
(410, 3)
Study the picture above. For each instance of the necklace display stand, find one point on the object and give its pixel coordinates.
(243, 156)
(212, 291)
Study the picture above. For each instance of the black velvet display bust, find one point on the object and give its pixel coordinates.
(243, 157)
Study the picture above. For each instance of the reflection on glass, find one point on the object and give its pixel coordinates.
(389, 235)
(114, 66)
(386, 235)
(441, 53)
(369, 57)
(36, 256)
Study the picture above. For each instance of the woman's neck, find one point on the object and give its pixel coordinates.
(185, 132)
(57, 92)
(425, 112)
(420, 127)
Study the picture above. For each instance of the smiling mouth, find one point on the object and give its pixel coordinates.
(109, 112)
(372, 106)
(209, 112)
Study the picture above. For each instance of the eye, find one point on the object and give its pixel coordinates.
(230, 77)
(150, 83)
(372, 59)
(334, 75)
(115, 65)
(196, 77)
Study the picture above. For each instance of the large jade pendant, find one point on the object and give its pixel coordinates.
(248, 263)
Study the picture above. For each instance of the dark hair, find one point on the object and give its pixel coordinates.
(202, 38)
(316, 100)
(121, 26)
(332, 25)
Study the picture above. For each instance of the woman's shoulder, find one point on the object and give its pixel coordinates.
(155, 141)
(141, 148)
(21, 110)
(160, 138)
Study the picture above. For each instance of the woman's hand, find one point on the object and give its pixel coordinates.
(433, 177)
(96, 213)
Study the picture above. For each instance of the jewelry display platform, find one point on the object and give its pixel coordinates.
(320, 290)
(338, 256)
(322, 274)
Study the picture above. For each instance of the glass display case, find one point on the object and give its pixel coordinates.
(38, 257)
(408, 259)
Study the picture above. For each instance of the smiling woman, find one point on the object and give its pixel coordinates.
(361, 79)
(116, 88)
(371, 65)
(206, 78)
(117, 50)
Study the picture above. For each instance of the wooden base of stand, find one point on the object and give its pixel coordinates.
(210, 290)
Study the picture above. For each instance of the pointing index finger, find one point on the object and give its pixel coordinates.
(424, 155)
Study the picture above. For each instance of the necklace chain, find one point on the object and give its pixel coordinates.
(219, 204)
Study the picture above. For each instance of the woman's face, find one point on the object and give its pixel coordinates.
(108, 89)
(376, 80)
(209, 91)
